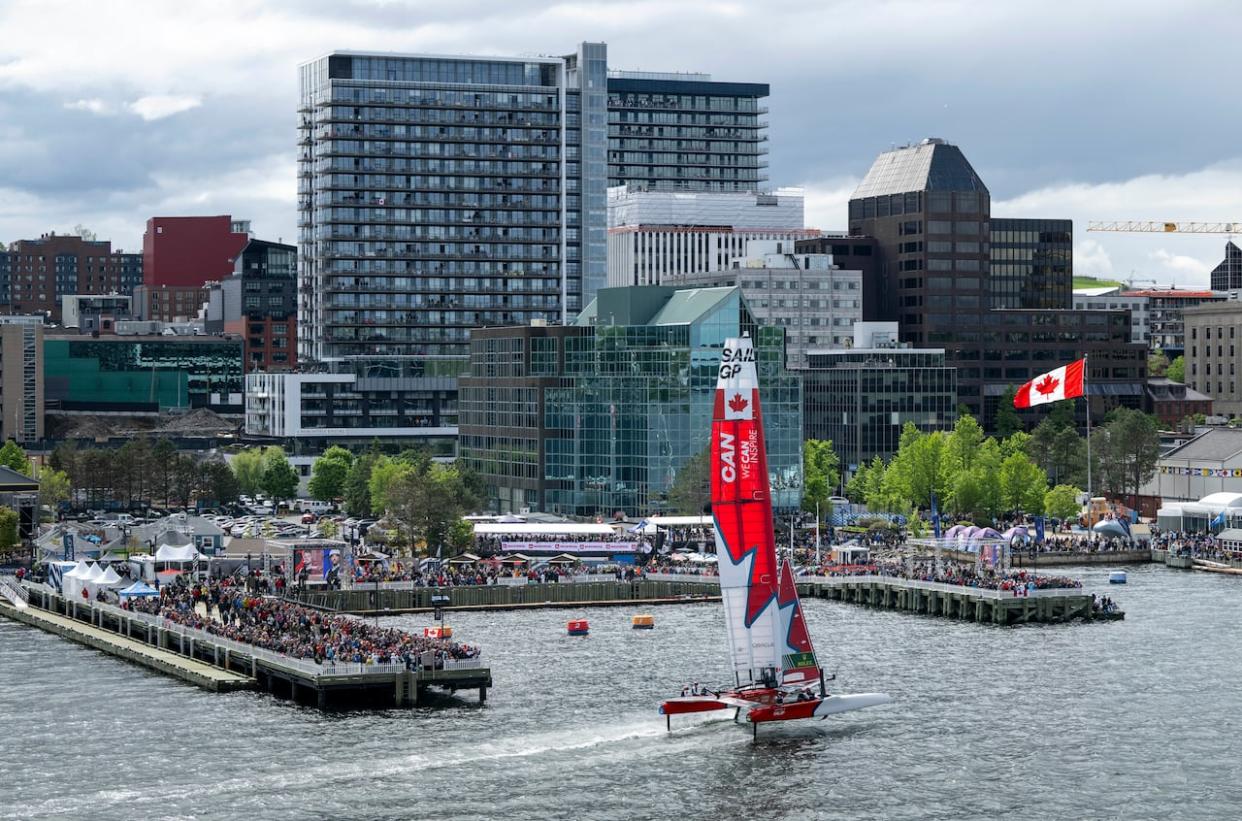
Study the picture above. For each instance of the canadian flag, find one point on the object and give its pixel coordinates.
(1064, 382)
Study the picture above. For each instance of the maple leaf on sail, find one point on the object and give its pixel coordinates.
(737, 404)
(1047, 385)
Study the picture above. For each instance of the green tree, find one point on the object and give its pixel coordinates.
(186, 480)
(163, 465)
(819, 475)
(1007, 420)
(53, 487)
(917, 469)
(974, 489)
(1108, 462)
(384, 473)
(428, 503)
(279, 480)
(856, 487)
(9, 537)
(248, 468)
(878, 496)
(328, 474)
(691, 492)
(461, 535)
(1136, 444)
(1157, 363)
(1177, 369)
(358, 485)
(1022, 484)
(13, 457)
(220, 483)
(1061, 502)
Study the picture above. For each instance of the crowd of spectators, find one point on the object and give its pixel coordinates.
(1194, 545)
(988, 578)
(249, 617)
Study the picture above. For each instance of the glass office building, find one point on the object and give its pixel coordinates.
(440, 194)
(125, 374)
(598, 417)
(994, 293)
(1032, 263)
(861, 399)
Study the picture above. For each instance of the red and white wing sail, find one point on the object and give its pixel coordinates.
(742, 508)
(798, 662)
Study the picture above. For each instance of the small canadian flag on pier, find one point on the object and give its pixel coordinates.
(1064, 382)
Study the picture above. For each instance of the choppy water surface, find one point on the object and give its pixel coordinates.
(1128, 720)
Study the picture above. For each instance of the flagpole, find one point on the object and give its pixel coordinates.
(1087, 398)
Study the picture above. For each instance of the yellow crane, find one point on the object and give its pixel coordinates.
(1153, 227)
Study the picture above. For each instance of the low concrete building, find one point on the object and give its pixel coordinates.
(1209, 463)
(21, 379)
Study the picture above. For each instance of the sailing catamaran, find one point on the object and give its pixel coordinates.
(777, 676)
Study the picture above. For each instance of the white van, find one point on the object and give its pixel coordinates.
(313, 506)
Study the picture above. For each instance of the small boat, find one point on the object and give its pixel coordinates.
(578, 627)
(643, 622)
(777, 676)
(1117, 577)
(445, 632)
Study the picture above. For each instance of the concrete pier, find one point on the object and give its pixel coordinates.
(218, 664)
(1000, 607)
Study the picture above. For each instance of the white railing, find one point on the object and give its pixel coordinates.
(12, 590)
(683, 577)
(919, 584)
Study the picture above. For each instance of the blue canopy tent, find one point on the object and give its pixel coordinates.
(138, 590)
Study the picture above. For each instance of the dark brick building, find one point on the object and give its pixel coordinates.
(995, 294)
(187, 252)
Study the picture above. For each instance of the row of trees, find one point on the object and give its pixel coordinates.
(140, 473)
(969, 474)
(265, 471)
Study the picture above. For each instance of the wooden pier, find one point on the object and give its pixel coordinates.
(219, 664)
(397, 597)
(981, 605)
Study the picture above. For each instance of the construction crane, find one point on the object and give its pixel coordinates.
(1145, 227)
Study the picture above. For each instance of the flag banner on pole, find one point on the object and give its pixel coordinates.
(1064, 382)
(935, 516)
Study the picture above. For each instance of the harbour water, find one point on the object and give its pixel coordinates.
(1128, 720)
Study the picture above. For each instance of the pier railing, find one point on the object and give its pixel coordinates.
(919, 584)
(308, 667)
(12, 590)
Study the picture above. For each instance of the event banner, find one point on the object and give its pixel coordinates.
(569, 547)
(1216, 473)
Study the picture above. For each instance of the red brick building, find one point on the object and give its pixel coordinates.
(40, 271)
(1172, 402)
(188, 252)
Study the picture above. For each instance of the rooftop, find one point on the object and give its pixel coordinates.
(931, 165)
(1213, 445)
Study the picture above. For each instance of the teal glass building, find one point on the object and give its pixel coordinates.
(597, 418)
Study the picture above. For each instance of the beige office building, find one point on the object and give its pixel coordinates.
(21, 379)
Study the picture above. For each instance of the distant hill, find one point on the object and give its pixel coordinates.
(1092, 282)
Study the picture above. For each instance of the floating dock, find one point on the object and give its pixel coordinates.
(952, 601)
(219, 664)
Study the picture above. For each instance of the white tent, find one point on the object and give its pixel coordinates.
(73, 581)
(110, 578)
(179, 555)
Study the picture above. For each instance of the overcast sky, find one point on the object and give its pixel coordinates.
(112, 112)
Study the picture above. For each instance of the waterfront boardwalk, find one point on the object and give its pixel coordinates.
(219, 664)
(959, 602)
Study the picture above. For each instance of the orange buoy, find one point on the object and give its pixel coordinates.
(578, 627)
(643, 622)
